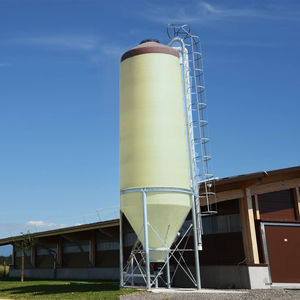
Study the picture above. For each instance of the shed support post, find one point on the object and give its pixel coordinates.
(196, 251)
(59, 252)
(22, 265)
(168, 272)
(131, 265)
(92, 250)
(13, 258)
(297, 202)
(248, 228)
(146, 239)
(121, 250)
(33, 256)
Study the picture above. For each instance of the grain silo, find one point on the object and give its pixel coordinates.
(157, 156)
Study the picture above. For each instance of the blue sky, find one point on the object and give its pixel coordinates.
(59, 96)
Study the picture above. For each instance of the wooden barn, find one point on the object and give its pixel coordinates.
(253, 241)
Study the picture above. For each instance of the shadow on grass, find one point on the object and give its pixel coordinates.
(47, 289)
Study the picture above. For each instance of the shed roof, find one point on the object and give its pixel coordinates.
(256, 175)
(78, 228)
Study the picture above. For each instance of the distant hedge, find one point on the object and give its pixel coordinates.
(5, 260)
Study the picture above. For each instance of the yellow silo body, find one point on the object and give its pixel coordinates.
(153, 148)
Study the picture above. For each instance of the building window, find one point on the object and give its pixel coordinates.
(78, 247)
(44, 250)
(105, 245)
(18, 252)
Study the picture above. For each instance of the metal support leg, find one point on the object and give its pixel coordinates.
(131, 264)
(121, 250)
(197, 266)
(146, 239)
(168, 273)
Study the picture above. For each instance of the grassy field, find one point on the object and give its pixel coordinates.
(60, 290)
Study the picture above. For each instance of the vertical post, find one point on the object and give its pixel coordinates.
(33, 256)
(256, 208)
(121, 250)
(22, 265)
(248, 228)
(13, 258)
(59, 252)
(297, 202)
(197, 266)
(146, 238)
(92, 250)
(131, 265)
(168, 272)
(156, 283)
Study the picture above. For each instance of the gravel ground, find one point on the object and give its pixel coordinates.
(282, 294)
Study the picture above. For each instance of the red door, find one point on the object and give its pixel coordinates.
(283, 243)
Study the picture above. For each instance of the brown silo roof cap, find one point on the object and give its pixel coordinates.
(149, 46)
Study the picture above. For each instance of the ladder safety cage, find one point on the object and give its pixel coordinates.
(203, 181)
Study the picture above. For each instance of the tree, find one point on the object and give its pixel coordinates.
(25, 243)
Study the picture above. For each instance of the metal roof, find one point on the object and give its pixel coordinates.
(256, 175)
(90, 226)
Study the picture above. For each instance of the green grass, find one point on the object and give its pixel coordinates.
(60, 290)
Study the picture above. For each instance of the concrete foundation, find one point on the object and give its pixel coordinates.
(68, 273)
(259, 277)
(235, 277)
(216, 277)
(227, 277)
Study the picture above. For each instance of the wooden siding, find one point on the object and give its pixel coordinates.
(277, 206)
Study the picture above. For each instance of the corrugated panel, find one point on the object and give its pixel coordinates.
(78, 247)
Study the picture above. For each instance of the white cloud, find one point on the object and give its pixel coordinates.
(209, 10)
(96, 48)
(204, 12)
(40, 224)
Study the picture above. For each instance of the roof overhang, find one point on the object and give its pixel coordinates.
(66, 230)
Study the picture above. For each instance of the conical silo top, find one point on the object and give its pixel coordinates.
(149, 46)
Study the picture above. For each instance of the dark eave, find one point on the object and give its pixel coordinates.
(256, 175)
(90, 226)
